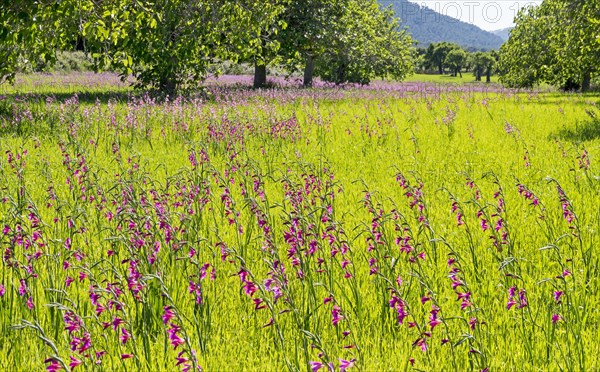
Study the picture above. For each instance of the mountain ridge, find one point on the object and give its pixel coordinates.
(428, 26)
(504, 33)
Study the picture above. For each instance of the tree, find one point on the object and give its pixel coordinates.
(557, 43)
(370, 45)
(255, 35)
(483, 63)
(455, 60)
(436, 55)
(169, 44)
(31, 31)
(311, 27)
(164, 44)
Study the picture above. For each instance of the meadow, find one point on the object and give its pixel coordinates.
(399, 226)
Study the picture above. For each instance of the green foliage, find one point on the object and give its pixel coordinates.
(455, 60)
(173, 44)
(435, 56)
(483, 63)
(170, 44)
(311, 27)
(31, 31)
(371, 46)
(555, 43)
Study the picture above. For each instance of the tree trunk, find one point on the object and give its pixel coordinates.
(585, 84)
(341, 73)
(168, 86)
(460, 73)
(441, 68)
(488, 76)
(260, 75)
(478, 76)
(308, 71)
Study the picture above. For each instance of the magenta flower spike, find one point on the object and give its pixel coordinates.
(346, 364)
(53, 366)
(557, 295)
(30, 304)
(336, 314)
(315, 366)
(125, 336)
(74, 362)
(168, 315)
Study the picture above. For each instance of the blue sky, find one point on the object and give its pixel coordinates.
(488, 15)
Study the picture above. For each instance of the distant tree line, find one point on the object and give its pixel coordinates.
(450, 58)
(172, 44)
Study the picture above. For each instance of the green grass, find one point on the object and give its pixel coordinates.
(347, 190)
(467, 78)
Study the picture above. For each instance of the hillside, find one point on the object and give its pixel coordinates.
(427, 26)
(503, 33)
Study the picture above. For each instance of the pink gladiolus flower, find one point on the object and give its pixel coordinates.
(168, 315)
(117, 322)
(125, 336)
(555, 318)
(557, 295)
(498, 226)
(465, 304)
(126, 356)
(510, 303)
(53, 366)
(484, 225)
(472, 323)
(30, 303)
(315, 366)
(336, 314)
(434, 322)
(23, 288)
(399, 281)
(180, 359)
(422, 343)
(250, 288)
(174, 338)
(522, 299)
(433, 319)
(74, 362)
(346, 364)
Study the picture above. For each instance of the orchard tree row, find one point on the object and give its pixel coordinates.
(171, 44)
(450, 58)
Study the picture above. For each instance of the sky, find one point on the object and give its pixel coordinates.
(486, 14)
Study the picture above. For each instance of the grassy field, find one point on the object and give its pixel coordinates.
(467, 78)
(413, 226)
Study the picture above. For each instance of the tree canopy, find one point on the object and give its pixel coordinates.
(371, 45)
(557, 42)
(170, 44)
